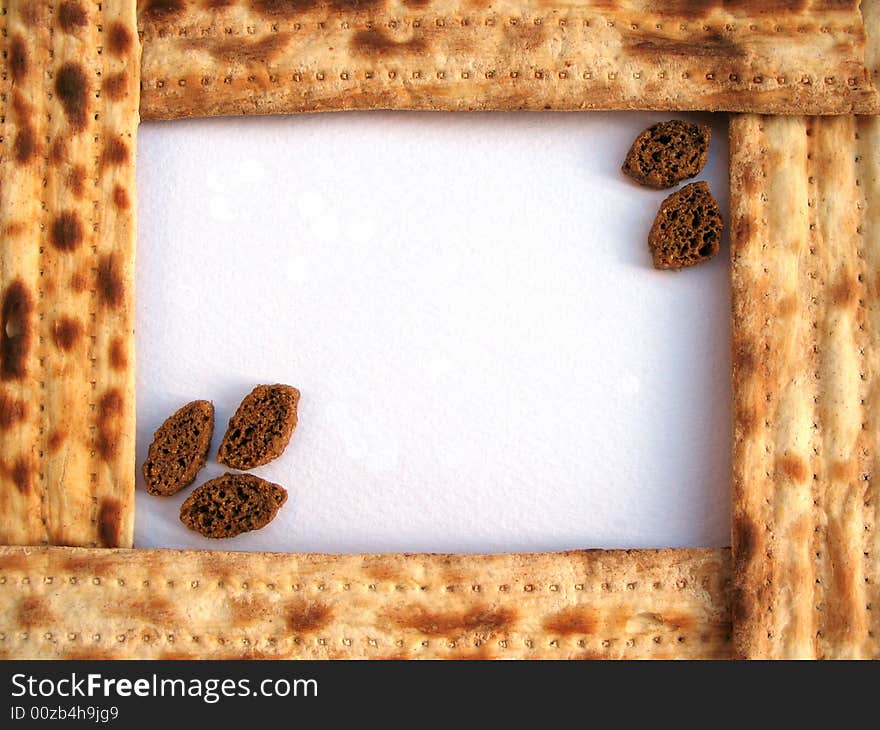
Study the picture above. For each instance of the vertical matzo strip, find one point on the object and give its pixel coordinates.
(25, 41)
(868, 171)
(805, 256)
(76, 192)
(67, 261)
(153, 604)
(282, 56)
(114, 220)
(839, 293)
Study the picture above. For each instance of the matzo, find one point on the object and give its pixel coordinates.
(122, 604)
(806, 250)
(67, 207)
(283, 56)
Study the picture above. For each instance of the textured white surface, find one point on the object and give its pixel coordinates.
(488, 362)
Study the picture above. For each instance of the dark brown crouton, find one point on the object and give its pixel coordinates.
(687, 229)
(232, 504)
(179, 449)
(261, 427)
(667, 153)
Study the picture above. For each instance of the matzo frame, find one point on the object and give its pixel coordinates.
(67, 350)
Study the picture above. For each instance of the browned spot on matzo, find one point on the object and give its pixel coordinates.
(111, 288)
(33, 13)
(110, 522)
(115, 153)
(25, 145)
(15, 228)
(56, 440)
(79, 282)
(19, 60)
(844, 471)
(72, 88)
(713, 45)
(576, 620)
(120, 198)
(479, 619)
(116, 355)
(67, 231)
(845, 292)
(21, 474)
(382, 571)
(16, 333)
(109, 413)
(71, 16)
(241, 50)
(298, 7)
(373, 42)
(33, 611)
(66, 332)
(77, 181)
(161, 9)
(250, 608)
(12, 411)
(58, 150)
(14, 562)
(115, 85)
(744, 538)
(151, 609)
(792, 467)
(305, 616)
(119, 39)
(22, 107)
(744, 356)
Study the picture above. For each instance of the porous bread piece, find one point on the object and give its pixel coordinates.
(283, 56)
(805, 242)
(261, 427)
(667, 153)
(70, 93)
(167, 604)
(687, 229)
(232, 504)
(179, 448)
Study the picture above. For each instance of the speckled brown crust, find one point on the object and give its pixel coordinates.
(805, 242)
(667, 153)
(67, 252)
(161, 604)
(203, 58)
(687, 229)
(179, 449)
(261, 427)
(232, 504)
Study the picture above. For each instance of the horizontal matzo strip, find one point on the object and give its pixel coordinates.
(805, 222)
(205, 58)
(140, 604)
(70, 111)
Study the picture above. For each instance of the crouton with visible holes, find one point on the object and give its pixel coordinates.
(687, 229)
(261, 427)
(667, 153)
(179, 449)
(232, 504)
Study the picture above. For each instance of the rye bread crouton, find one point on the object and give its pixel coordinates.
(179, 448)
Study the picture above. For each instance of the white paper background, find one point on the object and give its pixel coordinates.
(488, 362)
